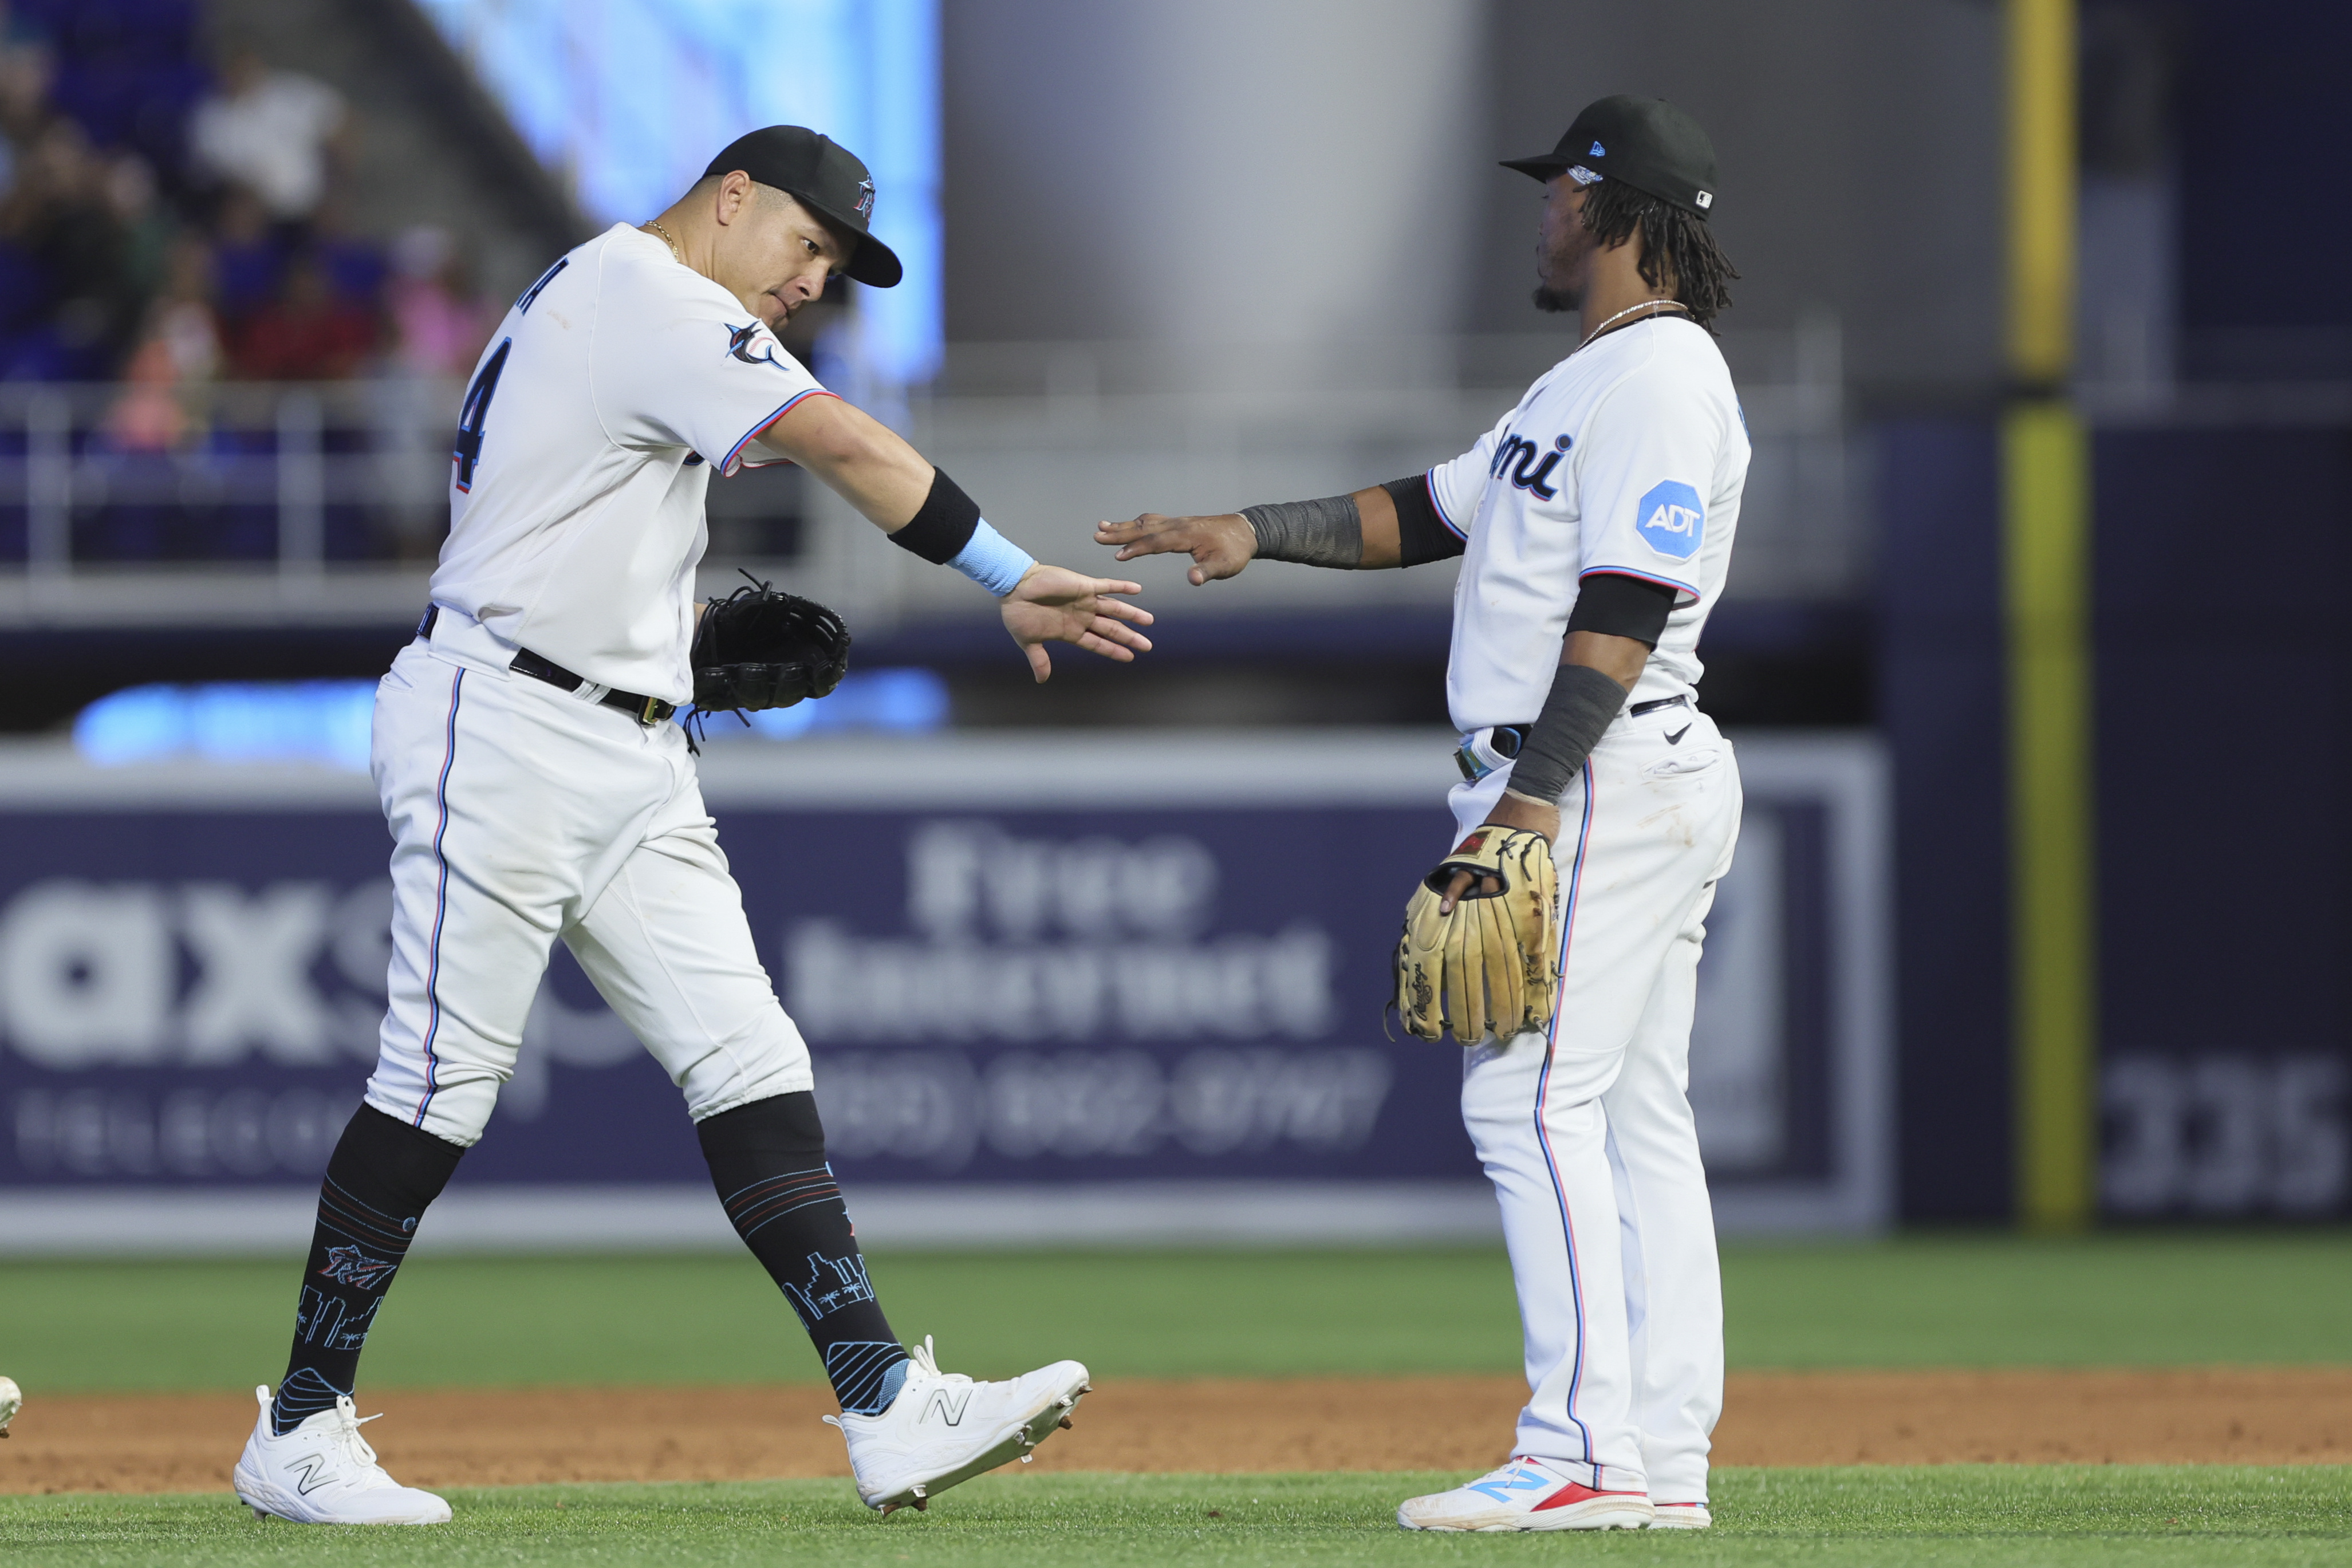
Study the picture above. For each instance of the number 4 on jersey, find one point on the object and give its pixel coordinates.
(475, 413)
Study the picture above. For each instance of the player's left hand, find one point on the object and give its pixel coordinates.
(1053, 603)
(1511, 811)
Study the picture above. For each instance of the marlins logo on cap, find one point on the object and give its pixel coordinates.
(865, 199)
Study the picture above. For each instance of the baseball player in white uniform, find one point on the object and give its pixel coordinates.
(536, 789)
(1595, 524)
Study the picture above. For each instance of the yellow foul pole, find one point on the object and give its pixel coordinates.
(2046, 528)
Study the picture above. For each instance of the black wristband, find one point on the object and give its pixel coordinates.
(1617, 605)
(1324, 533)
(945, 525)
(1579, 707)
(1421, 534)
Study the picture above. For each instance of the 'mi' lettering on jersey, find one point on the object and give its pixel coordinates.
(1517, 456)
(1671, 519)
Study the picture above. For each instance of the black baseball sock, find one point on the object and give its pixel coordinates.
(381, 1178)
(767, 1160)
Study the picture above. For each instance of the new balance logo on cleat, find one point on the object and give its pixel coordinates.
(947, 1404)
(1518, 1480)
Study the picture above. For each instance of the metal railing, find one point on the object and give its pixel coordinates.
(218, 460)
(257, 502)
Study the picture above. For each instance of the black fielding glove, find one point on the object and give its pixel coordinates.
(758, 649)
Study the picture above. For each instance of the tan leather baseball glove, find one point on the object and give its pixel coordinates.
(1494, 963)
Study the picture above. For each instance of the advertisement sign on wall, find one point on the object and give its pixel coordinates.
(1182, 992)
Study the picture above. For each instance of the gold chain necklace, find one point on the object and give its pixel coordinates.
(1655, 306)
(654, 223)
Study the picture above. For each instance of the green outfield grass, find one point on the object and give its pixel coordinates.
(1882, 1518)
(463, 1322)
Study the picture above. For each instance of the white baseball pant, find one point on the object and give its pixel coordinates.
(1586, 1129)
(521, 813)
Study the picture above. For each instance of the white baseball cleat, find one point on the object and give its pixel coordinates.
(323, 1472)
(1682, 1516)
(943, 1427)
(1526, 1494)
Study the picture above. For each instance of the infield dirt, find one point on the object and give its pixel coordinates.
(156, 1443)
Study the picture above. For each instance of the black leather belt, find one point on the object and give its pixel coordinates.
(1507, 739)
(1516, 734)
(647, 710)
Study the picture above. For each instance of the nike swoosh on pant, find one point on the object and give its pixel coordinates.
(1676, 738)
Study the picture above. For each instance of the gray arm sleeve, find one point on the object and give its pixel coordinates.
(1327, 532)
(1582, 705)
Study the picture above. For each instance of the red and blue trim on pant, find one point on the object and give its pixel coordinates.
(440, 901)
(1543, 1132)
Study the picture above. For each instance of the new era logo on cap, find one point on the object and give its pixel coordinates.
(1706, 198)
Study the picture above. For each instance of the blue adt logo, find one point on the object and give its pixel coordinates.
(1670, 521)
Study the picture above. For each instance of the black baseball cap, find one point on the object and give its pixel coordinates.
(1647, 143)
(822, 176)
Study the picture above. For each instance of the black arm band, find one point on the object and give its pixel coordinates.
(1582, 705)
(1422, 534)
(944, 526)
(1327, 532)
(1621, 606)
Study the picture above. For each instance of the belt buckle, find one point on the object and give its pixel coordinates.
(646, 717)
(1473, 769)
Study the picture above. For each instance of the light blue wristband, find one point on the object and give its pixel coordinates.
(992, 561)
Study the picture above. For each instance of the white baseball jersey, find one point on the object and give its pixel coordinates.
(1627, 456)
(609, 394)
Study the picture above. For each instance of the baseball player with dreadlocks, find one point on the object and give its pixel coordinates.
(1559, 942)
(536, 789)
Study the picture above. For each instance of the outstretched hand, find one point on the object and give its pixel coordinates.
(1053, 603)
(1219, 546)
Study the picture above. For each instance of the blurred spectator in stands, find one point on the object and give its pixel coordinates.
(280, 133)
(29, 69)
(178, 356)
(58, 214)
(355, 265)
(306, 333)
(248, 257)
(439, 324)
(146, 224)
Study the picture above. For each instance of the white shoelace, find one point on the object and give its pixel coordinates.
(346, 1434)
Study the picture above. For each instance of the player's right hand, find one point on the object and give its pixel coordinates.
(1053, 603)
(1219, 546)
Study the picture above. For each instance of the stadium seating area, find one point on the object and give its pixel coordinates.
(170, 225)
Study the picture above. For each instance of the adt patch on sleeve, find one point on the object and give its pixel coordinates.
(1670, 521)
